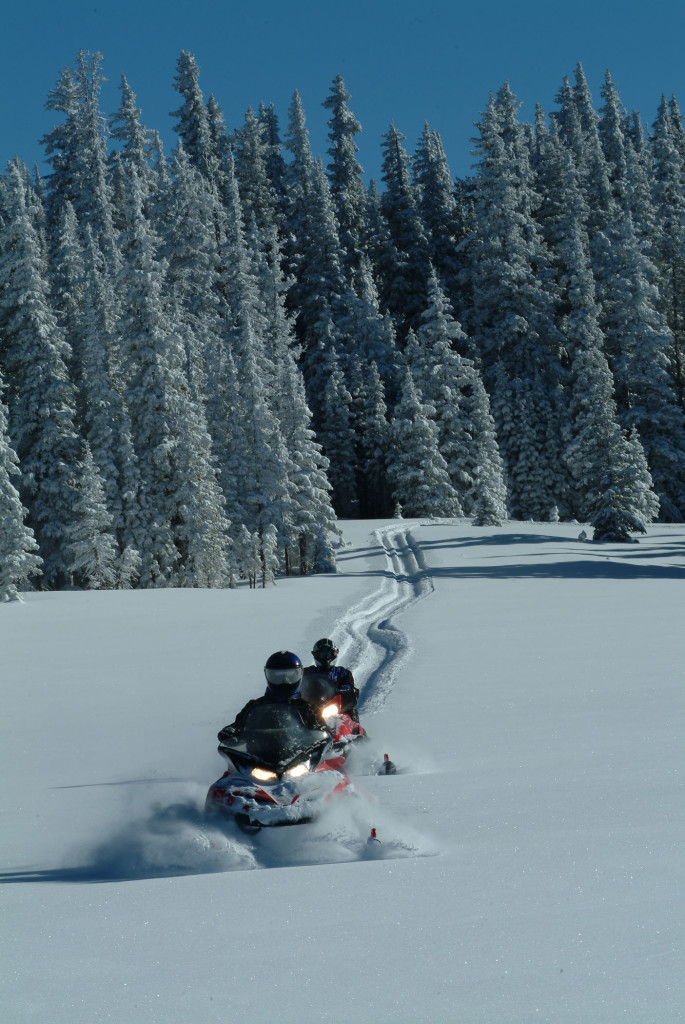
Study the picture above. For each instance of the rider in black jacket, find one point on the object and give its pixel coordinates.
(283, 672)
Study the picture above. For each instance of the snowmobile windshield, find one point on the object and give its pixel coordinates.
(317, 687)
(274, 735)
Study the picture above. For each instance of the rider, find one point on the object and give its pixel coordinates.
(324, 653)
(283, 672)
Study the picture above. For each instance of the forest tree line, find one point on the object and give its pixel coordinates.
(207, 357)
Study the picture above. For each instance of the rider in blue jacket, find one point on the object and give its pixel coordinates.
(324, 653)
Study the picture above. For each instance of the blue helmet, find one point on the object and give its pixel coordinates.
(283, 673)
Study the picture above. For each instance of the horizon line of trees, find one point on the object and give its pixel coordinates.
(207, 357)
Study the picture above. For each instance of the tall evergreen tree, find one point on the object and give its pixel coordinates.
(512, 319)
(311, 515)
(404, 274)
(643, 388)
(610, 469)
(449, 384)
(372, 437)
(92, 546)
(336, 436)
(77, 152)
(438, 209)
(669, 242)
(19, 558)
(41, 396)
(345, 172)
(258, 197)
(417, 471)
(193, 125)
(179, 495)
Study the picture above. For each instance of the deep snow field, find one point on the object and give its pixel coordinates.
(530, 688)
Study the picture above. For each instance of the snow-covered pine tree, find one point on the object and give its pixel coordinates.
(372, 435)
(40, 398)
(319, 290)
(336, 436)
(644, 390)
(417, 471)
(512, 316)
(258, 197)
(249, 445)
(77, 152)
(19, 558)
(273, 154)
(311, 515)
(136, 143)
(345, 173)
(448, 383)
(177, 504)
(193, 124)
(91, 545)
(438, 209)
(669, 240)
(367, 334)
(405, 269)
(486, 499)
(104, 420)
(66, 275)
(609, 468)
(377, 244)
(188, 213)
(612, 138)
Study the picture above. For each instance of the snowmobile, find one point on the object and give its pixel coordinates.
(280, 771)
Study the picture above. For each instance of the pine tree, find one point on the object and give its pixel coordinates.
(311, 515)
(275, 163)
(19, 558)
(257, 195)
(137, 143)
(41, 396)
(643, 388)
(486, 498)
(417, 471)
(336, 436)
(438, 209)
(404, 274)
(449, 384)
(372, 436)
(669, 241)
(179, 496)
(92, 546)
(513, 313)
(345, 172)
(367, 334)
(193, 124)
(609, 468)
(77, 152)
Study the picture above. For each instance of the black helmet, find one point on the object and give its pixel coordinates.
(325, 652)
(283, 673)
(317, 687)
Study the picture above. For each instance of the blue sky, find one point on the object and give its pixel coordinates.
(426, 60)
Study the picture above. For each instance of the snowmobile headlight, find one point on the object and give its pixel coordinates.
(330, 711)
(262, 775)
(298, 770)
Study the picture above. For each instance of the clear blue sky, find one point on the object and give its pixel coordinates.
(404, 60)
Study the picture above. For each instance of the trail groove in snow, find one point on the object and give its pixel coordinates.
(367, 636)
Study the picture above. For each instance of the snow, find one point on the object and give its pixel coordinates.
(528, 685)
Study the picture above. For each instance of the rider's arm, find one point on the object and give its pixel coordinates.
(229, 733)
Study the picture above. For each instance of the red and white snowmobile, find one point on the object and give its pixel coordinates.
(280, 771)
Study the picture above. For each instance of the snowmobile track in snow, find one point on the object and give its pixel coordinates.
(367, 635)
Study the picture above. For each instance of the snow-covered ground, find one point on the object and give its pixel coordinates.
(531, 688)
